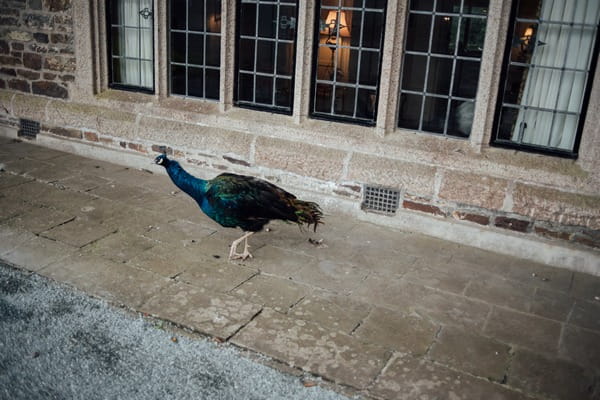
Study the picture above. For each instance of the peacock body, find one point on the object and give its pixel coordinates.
(242, 201)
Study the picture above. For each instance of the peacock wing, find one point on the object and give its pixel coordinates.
(248, 198)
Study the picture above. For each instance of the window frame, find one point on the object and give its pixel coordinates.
(257, 106)
(109, 55)
(455, 58)
(169, 62)
(494, 142)
(314, 70)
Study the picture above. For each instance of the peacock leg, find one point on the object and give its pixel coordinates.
(233, 254)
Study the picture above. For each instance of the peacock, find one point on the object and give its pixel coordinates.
(242, 201)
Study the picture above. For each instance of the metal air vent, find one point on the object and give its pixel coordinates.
(380, 200)
(28, 128)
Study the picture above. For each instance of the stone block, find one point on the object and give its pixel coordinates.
(32, 61)
(215, 314)
(551, 377)
(415, 178)
(104, 120)
(557, 206)
(57, 5)
(32, 107)
(338, 357)
(475, 354)
(405, 333)
(475, 190)
(51, 89)
(276, 293)
(410, 377)
(525, 330)
(196, 139)
(300, 158)
(19, 84)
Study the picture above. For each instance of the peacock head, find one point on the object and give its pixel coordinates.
(162, 160)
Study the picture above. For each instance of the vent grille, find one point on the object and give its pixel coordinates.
(28, 128)
(381, 200)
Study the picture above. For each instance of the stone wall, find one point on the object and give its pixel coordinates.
(37, 53)
(465, 182)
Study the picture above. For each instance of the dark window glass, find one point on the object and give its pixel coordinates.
(441, 64)
(131, 45)
(348, 59)
(195, 48)
(546, 76)
(266, 48)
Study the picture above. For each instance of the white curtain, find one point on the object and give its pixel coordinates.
(136, 43)
(563, 45)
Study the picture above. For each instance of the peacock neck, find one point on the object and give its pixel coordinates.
(191, 185)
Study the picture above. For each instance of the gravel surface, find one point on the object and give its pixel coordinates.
(58, 343)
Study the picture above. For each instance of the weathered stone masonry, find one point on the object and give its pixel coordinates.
(498, 189)
(36, 47)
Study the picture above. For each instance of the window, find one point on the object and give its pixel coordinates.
(131, 46)
(349, 42)
(195, 48)
(440, 72)
(266, 50)
(546, 75)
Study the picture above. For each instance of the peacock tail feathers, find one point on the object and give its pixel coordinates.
(308, 213)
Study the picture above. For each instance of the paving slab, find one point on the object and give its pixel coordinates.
(504, 292)
(552, 304)
(475, 354)
(448, 280)
(112, 281)
(338, 357)
(410, 377)
(276, 293)
(120, 247)
(79, 232)
(450, 309)
(11, 237)
(556, 379)
(8, 180)
(38, 252)
(580, 346)
(40, 219)
(406, 333)
(215, 275)
(585, 286)
(212, 313)
(586, 314)
(82, 182)
(331, 311)
(525, 330)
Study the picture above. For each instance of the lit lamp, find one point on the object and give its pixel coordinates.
(335, 27)
(526, 38)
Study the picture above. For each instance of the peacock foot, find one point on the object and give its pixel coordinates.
(234, 255)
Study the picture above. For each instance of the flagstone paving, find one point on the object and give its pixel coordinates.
(383, 313)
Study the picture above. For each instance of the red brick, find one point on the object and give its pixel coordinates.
(105, 140)
(555, 234)
(513, 224)
(159, 149)
(426, 208)
(137, 147)
(476, 218)
(91, 136)
(72, 133)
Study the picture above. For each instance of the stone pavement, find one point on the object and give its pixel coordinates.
(381, 313)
